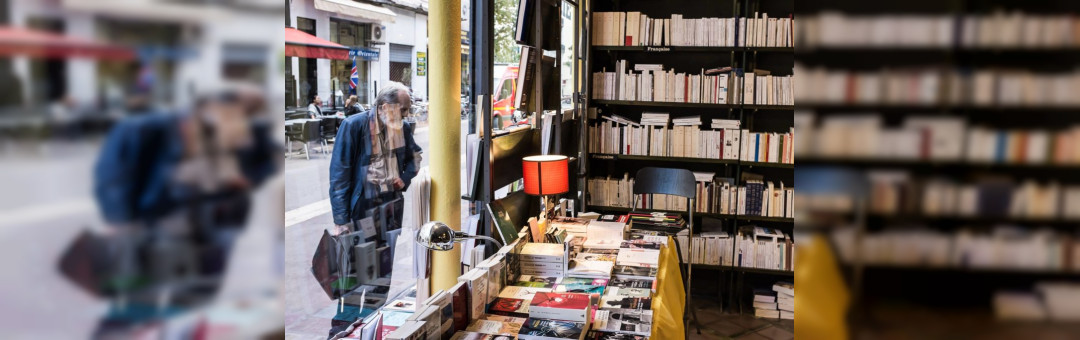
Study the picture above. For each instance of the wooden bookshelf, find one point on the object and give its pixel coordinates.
(714, 215)
(696, 105)
(615, 157)
(744, 269)
(711, 49)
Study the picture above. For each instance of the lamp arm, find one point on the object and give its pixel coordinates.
(461, 236)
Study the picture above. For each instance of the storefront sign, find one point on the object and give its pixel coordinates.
(421, 64)
(366, 54)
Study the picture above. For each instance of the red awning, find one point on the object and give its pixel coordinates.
(43, 44)
(303, 45)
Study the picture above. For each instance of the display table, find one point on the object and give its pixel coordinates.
(669, 302)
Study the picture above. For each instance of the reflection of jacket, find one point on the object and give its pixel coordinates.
(349, 165)
(133, 176)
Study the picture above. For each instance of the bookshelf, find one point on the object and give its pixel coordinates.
(875, 287)
(729, 282)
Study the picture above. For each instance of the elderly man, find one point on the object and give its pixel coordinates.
(374, 160)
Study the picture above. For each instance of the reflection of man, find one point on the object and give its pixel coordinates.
(375, 157)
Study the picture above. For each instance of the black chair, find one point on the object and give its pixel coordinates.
(308, 133)
(677, 182)
(327, 131)
(293, 132)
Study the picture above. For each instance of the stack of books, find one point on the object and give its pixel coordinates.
(764, 248)
(765, 304)
(654, 119)
(543, 259)
(785, 299)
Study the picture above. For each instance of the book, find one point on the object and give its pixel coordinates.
(477, 282)
(786, 288)
(639, 257)
(476, 336)
(494, 327)
(543, 329)
(410, 330)
(603, 235)
(638, 322)
(767, 313)
(584, 281)
(523, 293)
(633, 283)
(536, 281)
(560, 306)
(580, 288)
(459, 297)
(543, 252)
(507, 231)
(626, 298)
(634, 272)
(404, 305)
(590, 269)
(510, 307)
(391, 320)
(619, 336)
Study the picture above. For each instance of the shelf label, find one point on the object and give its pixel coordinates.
(658, 49)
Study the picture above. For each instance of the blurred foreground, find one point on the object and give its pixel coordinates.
(143, 188)
(939, 148)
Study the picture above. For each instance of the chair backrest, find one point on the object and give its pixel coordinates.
(678, 182)
(327, 126)
(311, 130)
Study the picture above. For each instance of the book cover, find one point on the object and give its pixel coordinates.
(543, 329)
(560, 306)
(584, 281)
(634, 272)
(579, 288)
(633, 322)
(619, 336)
(536, 281)
(478, 336)
(510, 307)
(519, 292)
(459, 301)
(543, 252)
(638, 257)
(494, 327)
(626, 298)
(590, 269)
(404, 305)
(507, 231)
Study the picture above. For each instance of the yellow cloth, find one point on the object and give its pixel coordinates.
(670, 297)
(823, 297)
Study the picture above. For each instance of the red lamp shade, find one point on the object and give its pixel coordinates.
(545, 175)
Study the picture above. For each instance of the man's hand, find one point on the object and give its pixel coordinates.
(398, 184)
(339, 229)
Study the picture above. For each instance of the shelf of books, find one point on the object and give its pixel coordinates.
(969, 167)
(725, 114)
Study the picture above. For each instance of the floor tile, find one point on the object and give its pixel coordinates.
(775, 333)
(747, 321)
(753, 336)
(727, 329)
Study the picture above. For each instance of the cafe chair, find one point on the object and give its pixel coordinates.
(677, 182)
(327, 132)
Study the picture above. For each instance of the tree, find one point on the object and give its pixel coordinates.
(506, 49)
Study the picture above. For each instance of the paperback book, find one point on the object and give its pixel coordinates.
(543, 329)
(560, 306)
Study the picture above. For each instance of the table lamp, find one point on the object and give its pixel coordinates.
(545, 175)
(436, 235)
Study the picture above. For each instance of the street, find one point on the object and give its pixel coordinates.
(308, 309)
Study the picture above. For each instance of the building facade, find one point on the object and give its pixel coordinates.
(181, 49)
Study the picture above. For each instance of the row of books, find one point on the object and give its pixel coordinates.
(896, 193)
(1047, 301)
(723, 85)
(1003, 248)
(925, 138)
(1000, 29)
(721, 195)
(637, 29)
(616, 135)
(752, 247)
(933, 86)
(775, 303)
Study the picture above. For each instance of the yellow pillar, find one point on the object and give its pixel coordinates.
(444, 75)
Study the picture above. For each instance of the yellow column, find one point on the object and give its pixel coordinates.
(444, 54)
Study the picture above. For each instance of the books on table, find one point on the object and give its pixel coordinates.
(560, 306)
(626, 298)
(590, 269)
(545, 329)
(637, 322)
